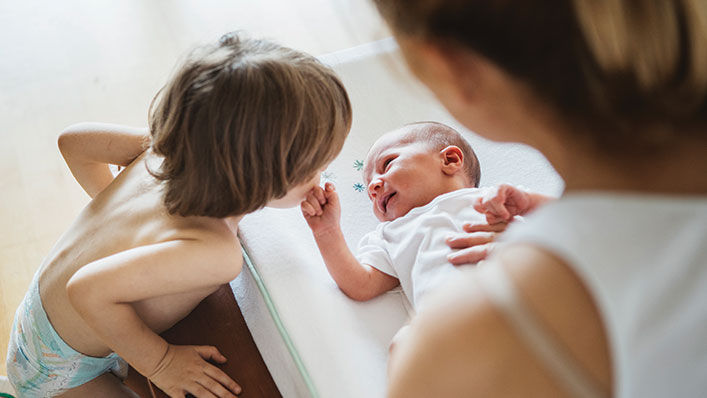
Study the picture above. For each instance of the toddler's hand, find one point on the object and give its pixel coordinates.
(503, 202)
(321, 209)
(184, 370)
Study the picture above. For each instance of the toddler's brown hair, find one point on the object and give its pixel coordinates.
(243, 121)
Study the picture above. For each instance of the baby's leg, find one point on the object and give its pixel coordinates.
(106, 385)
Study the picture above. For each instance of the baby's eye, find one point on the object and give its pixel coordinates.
(387, 163)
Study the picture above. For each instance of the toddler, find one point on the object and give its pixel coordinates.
(422, 180)
(242, 124)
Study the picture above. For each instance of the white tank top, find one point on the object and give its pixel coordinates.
(644, 260)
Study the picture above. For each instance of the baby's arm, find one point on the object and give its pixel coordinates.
(502, 203)
(103, 293)
(89, 148)
(360, 282)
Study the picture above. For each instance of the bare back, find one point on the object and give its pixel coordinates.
(127, 214)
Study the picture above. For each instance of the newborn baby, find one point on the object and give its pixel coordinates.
(423, 183)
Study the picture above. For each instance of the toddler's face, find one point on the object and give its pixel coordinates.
(401, 176)
(296, 194)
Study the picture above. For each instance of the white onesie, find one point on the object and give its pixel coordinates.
(412, 248)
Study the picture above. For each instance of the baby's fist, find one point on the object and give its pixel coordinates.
(321, 208)
(313, 203)
(502, 203)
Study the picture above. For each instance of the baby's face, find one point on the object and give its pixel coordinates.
(401, 176)
(296, 194)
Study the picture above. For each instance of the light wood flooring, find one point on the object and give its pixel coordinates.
(67, 61)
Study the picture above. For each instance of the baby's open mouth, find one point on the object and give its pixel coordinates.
(386, 199)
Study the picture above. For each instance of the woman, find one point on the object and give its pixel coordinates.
(601, 292)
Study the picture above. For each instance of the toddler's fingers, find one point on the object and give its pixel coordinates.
(198, 390)
(210, 352)
(214, 387)
(220, 380)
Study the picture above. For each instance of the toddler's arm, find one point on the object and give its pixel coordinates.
(503, 202)
(103, 293)
(89, 148)
(360, 282)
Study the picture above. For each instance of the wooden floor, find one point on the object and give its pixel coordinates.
(67, 61)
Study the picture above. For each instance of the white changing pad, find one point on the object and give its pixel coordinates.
(316, 341)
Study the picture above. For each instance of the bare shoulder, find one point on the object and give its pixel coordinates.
(460, 344)
(218, 244)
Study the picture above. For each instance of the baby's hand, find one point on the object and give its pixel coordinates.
(184, 370)
(321, 209)
(502, 203)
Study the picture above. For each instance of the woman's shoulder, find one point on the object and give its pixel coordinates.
(618, 205)
(593, 228)
(461, 329)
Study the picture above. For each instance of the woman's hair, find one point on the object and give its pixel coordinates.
(440, 136)
(243, 121)
(633, 73)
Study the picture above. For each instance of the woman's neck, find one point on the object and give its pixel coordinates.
(678, 171)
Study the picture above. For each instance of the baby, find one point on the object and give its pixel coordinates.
(242, 124)
(422, 180)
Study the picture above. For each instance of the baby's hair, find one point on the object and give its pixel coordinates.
(440, 136)
(243, 121)
(631, 76)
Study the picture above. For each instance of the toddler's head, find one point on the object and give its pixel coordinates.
(408, 167)
(246, 123)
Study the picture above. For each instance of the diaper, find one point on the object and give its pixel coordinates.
(40, 363)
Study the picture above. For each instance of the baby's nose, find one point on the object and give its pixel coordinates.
(373, 187)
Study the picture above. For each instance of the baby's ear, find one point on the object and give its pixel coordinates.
(452, 159)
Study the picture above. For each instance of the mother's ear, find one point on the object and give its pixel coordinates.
(452, 159)
(448, 70)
